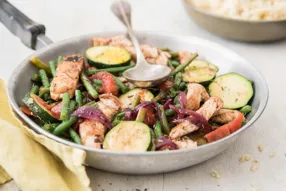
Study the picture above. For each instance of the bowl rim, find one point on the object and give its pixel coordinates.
(201, 11)
(33, 126)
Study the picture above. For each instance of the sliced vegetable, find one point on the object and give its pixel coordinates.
(74, 136)
(44, 77)
(52, 65)
(89, 112)
(59, 60)
(110, 70)
(65, 107)
(107, 56)
(78, 98)
(174, 54)
(64, 126)
(38, 63)
(27, 111)
(50, 127)
(177, 80)
(138, 139)
(43, 91)
(36, 78)
(141, 114)
(35, 89)
(152, 146)
(225, 130)
(246, 109)
(97, 82)
(87, 84)
(39, 107)
(127, 99)
(160, 96)
(234, 89)
(200, 72)
(164, 121)
(123, 88)
(164, 143)
(181, 67)
(158, 130)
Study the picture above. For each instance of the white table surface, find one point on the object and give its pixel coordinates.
(67, 18)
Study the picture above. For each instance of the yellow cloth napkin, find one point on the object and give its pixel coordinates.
(35, 162)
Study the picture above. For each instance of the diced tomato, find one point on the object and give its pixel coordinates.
(218, 134)
(56, 110)
(166, 85)
(150, 118)
(27, 111)
(225, 130)
(108, 82)
(236, 123)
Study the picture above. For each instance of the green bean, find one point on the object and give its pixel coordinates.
(183, 86)
(174, 54)
(52, 67)
(38, 63)
(60, 58)
(159, 97)
(164, 122)
(97, 82)
(158, 129)
(170, 63)
(246, 109)
(111, 70)
(65, 107)
(123, 88)
(175, 63)
(45, 79)
(43, 91)
(152, 146)
(165, 49)
(74, 136)
(181, 67)
(118, 118)
(177, 80)
(141, 114)
(34, 89)
(46, 97)
(87, 84)
(72, 107)
(78, 98)
(120, 115)
(173, 92)
(36, 78)
(50, 127)
(170, 112)
(64, 126)
(90, 103)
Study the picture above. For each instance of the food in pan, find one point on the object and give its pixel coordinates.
(86, 100)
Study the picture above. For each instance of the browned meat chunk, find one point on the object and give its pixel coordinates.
(67, 77)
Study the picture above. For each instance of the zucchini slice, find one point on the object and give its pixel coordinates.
(130, 98)
(129, 136)
(234, 89)
(39, 107)
(199, 71)
(107, 56)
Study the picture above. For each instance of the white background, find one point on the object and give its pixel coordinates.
(67, 18)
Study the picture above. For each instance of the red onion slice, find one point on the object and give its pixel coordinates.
(164, 142)
(88, 112)
(195, 117)
(167, 103)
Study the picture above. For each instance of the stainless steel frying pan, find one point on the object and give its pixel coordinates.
(33, 36)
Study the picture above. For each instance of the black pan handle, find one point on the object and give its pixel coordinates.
(31, 33)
